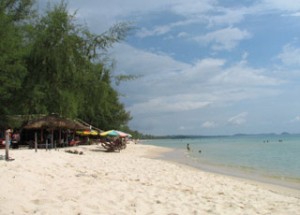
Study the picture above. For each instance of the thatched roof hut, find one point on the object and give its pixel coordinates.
(54, 121)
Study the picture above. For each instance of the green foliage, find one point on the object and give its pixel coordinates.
(56, 65)
(53, 65)
(13, 14)
(17, 10)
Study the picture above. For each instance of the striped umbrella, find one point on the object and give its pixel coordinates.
(114, 133)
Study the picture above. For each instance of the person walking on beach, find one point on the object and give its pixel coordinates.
(188, 147)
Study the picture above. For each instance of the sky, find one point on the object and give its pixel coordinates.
(205, 67)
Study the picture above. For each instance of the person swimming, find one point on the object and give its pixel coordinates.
(188, 147)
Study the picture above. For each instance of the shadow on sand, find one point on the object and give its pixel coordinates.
(2, 157)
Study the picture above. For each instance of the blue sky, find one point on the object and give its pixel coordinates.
(206, 67)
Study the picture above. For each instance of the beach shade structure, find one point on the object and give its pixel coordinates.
(114, 133)
(54, 121)
(88, 133)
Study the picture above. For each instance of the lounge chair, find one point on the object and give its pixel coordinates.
(113, 146)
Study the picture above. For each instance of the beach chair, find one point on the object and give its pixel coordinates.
(110, 146)
(114, 146)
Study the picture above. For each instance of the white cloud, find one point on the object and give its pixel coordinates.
(181, 128)
(157, 31)
(100, 16)
(282, 5)
(296, 119)
(162, 104)
(238, 119)
(241, 74)
(209, 124)
(290, 55)
(296, 14)
(224, 39)
(170, 86)
(141, 62)
(193, 7)
(228, 16)
(178, 77)
(182, 35)
(202, 70)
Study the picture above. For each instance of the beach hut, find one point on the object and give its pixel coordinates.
(54, 122)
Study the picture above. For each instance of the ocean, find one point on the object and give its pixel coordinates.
(266, 158)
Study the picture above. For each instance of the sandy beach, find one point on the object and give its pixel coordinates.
(129, 182)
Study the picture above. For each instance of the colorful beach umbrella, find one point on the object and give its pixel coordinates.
(88, 133)
(114, 133)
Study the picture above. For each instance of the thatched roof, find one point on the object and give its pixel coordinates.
(54, 122)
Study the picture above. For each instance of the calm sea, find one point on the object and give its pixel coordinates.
(267, 158)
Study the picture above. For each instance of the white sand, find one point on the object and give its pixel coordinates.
(56, 182)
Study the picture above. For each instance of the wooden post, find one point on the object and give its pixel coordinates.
(59, 138)
(7, 139)
(42, 135)
(35, 141)
(52, 138)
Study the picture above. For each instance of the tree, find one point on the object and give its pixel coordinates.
(67, 73)
(13, 17)
(55, 63)
(108, 112)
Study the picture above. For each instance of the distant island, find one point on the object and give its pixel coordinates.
(212, 136)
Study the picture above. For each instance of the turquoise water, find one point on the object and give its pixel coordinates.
(273, 158)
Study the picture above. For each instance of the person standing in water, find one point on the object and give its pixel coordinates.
(188, 147)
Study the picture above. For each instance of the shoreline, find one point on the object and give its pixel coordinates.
(178, 156)
(135, 181)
